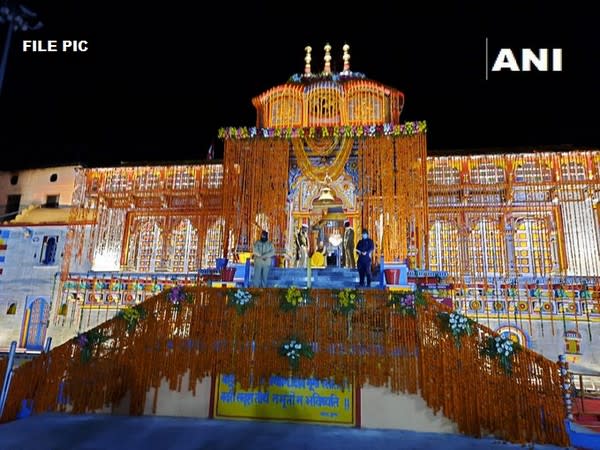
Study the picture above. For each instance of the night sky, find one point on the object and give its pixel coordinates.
(158, 81)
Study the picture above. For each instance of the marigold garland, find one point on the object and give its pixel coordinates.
(410, 358)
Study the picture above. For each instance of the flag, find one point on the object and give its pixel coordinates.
(211, 151)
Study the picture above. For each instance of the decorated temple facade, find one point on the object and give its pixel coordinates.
(516, 236)
(328, 148)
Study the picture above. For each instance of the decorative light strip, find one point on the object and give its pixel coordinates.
(405, 129)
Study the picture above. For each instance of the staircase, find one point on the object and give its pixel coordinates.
(379, 348)
(328, 277)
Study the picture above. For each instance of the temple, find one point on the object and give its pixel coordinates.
(510, 240)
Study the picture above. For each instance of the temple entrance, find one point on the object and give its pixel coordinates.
(319, 223)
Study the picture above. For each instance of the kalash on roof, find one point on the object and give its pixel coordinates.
(328, 99)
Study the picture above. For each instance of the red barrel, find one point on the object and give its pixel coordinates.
(227, 274)
(392, 276)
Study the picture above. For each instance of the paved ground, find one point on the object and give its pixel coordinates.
(102, 432)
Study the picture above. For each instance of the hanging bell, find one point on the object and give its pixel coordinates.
(326, 196)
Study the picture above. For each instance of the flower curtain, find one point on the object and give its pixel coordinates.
(393, 190)
(373, 344)
(255, 187)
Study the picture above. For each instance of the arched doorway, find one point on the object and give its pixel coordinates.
(35, 323)
(324, 209)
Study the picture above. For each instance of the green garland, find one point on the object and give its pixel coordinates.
(132, 316)
(406, 303)
(456, 324)
(348, 300)
(178, 295)
(293, 298)
(358, 131)
(294, 349)
(502, 349)
(240, 299)
(88, 341)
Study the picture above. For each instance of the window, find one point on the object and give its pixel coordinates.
(572, 342)
(12, 309)
(212, 176)
(486, 248)
(443, 175)
(533, 172)
(51, 201)
(444, 247)
(53, 177)
(532, 247)
(48, 253)
(572, 171)
(14, 179)
(184, 245)
(62, 310)
(487, 173)
(12, 205)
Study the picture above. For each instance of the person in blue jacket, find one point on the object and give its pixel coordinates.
(365, 248)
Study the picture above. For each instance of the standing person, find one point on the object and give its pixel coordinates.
(263, 252)
(348, 246)
(365, 248)
(302, 246)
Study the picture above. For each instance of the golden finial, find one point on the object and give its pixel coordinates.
(307, 60)
(327, 59)
(346, 58)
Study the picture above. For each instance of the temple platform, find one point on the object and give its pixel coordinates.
(327, 277)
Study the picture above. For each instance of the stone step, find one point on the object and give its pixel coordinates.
(329, 277)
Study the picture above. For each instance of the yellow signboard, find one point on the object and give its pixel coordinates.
(289, 399)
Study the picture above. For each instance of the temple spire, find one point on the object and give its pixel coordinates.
(307, 60)
(346, 58)
(327, 58)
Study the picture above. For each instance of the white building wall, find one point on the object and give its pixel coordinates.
(34, 186)
(25, 276)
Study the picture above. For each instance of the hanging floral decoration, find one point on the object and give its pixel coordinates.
(502, 348)
(352, 131)
(294, 349)
(88, 341)
(302, 78)
(457, 324)
(406, 302)
(177, 296)
(348, 300)
(132, 315)
(293, 298)
(240, 299)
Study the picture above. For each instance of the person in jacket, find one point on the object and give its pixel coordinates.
(263, 252)
(365, 248)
